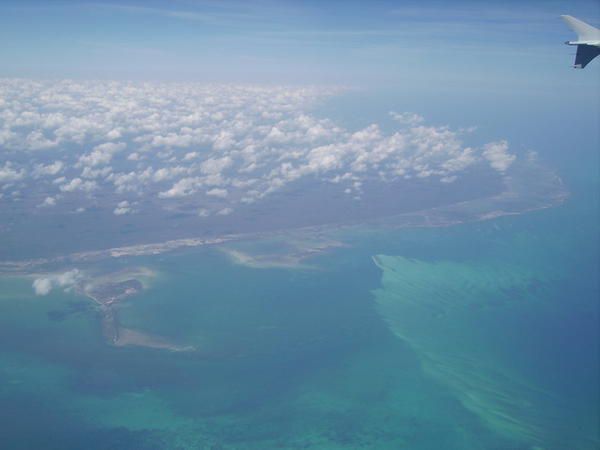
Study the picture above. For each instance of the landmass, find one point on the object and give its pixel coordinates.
(154, 248)
(288, 253)
(528, 186)
(108, 295)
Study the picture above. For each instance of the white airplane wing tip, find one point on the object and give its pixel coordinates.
(584, 31)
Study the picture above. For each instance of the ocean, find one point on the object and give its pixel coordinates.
(477, 336)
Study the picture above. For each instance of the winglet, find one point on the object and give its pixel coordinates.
(584, 31)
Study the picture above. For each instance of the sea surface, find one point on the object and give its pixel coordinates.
(477, 336)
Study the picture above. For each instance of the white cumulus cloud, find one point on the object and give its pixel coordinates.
(498, 156)
(44, 285)
(184, 142)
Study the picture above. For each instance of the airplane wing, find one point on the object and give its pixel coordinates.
(585, 53)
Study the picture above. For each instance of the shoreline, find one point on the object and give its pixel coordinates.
(412, 220)
(547, 191)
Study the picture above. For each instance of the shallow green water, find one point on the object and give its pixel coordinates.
(482, 336)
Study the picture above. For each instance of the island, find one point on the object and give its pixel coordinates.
(108, 294)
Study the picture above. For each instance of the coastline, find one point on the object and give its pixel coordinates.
(520, 195)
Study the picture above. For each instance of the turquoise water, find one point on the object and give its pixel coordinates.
(480, 336)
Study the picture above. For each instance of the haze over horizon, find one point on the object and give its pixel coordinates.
(511, 44)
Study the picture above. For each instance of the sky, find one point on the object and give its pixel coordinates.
(335, 42)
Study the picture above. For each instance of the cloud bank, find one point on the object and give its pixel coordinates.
(222, 145)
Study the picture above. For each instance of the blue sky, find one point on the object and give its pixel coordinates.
(349, 42)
